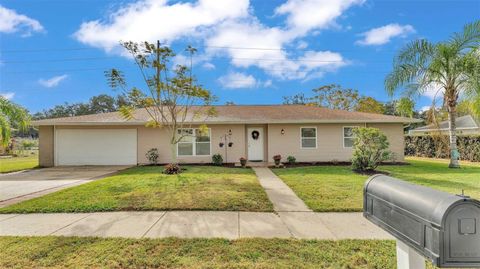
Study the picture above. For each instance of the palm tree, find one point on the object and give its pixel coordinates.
(452, 68)
(11, 116)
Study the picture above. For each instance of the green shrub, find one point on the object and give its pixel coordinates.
(28, 144)
(152, 156)
(370, 148)
(291, 160)
(437, 146)
(217, 159)
(172, 169)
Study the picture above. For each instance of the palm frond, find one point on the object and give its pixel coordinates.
(416, 52)
(410, 63)
(400, 76)
(16, 115)
(468, 38)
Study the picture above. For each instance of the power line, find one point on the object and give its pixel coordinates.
(132, 68)
(46, 49)
(199, 46)
(62, 70)
(59, 60)
(232, 58)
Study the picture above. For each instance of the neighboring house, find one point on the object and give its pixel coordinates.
(466, 125)
(258, 132)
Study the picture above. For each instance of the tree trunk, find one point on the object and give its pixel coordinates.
(454, 155)
(173, 147)
(173, 152)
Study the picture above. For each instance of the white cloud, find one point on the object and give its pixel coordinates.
(52, 82)
(275, 62)
(272, 59)
(433, 91)
(7, 95)
(157, 19)
(237, 80)
(326, 60)
(267, 83)
(306, 15)
(383, 35)
(302, 45)
(11, 22)
(208, 66)
(223, 27)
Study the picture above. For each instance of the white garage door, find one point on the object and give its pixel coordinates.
(96, 147)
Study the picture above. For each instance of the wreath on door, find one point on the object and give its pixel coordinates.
(255, 135)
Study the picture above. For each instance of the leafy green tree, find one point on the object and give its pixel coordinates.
(370, 148)
(297, 99)
(97, 104)
(171, 96)
(466, 107)
(102, 104)
(333, 96)
(452, 68)
(369, 105)
(12, 116)
(405, 107)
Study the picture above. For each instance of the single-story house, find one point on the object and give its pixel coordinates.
(257, 132)
(465, 125)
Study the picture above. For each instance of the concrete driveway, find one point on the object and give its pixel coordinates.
(17, 187)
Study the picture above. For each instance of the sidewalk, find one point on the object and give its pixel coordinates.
(194, 224)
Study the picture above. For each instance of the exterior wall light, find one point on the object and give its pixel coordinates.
(282, 131)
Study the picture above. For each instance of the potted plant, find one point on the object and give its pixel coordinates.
(277, 158)
(243, 162)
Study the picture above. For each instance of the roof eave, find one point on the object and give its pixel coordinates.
(128, 123)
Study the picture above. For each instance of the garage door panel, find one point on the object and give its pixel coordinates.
(96, 146)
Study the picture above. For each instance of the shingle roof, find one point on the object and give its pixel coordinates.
(241, 114)
(462, 123)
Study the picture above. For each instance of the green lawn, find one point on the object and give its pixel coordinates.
(18, 163)
(74, 252)
(146, 188)
(337, 188)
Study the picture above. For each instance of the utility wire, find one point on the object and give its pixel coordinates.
(233, 58)
(199, 46)
(59, 60)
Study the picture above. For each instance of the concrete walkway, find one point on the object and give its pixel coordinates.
(194, 224)
(282, 197)
(20, 186)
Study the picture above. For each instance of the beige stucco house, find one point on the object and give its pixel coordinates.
(256, 132)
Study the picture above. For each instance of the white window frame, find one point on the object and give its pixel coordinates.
(194, 143)
(301, 137)
(343, 136)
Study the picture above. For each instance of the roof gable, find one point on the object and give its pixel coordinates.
(463, 122)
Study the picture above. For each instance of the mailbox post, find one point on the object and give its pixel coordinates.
(428, 224)
(408, 258)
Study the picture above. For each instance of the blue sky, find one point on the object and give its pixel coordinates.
(250, 52)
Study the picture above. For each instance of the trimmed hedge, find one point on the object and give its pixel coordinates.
(437, 146)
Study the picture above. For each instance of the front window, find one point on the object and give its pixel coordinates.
(348, 137)
(193, 142)
(309, 137)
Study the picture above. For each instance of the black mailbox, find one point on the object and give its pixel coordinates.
(443, 227)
